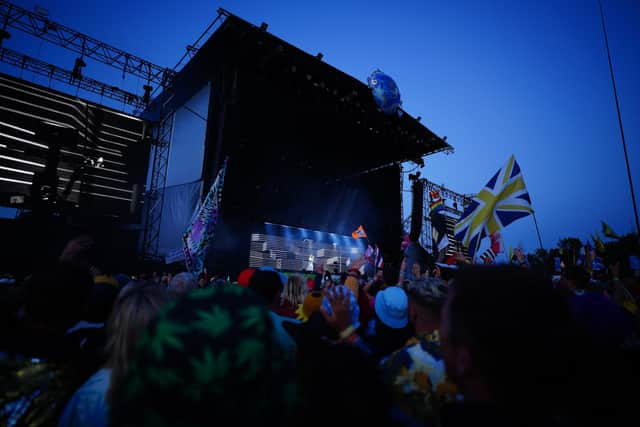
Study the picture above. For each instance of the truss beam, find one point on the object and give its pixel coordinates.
(155, 195)
(53, 72)
(40, 26)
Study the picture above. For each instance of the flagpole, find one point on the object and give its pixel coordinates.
(615, 95)
(535, 221)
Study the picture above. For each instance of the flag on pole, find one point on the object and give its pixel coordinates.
(379, 261)
(500, 202)
(197, 237)
(359, 233)
(608, 231)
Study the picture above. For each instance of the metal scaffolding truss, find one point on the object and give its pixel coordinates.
(155, 196)
(53, 72)
(40, 26)
(454, 207)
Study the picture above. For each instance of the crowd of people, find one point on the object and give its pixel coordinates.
(487, 345)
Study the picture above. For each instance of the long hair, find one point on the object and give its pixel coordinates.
(295, 290)
(136, 306)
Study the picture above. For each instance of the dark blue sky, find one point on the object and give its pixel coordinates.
(496, 77)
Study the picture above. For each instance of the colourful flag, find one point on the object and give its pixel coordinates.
(500, 202)
(379, 262)
(197, 237)
(608, 231)
(359, 233)
(436, 204)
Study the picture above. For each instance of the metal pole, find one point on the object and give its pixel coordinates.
(535, 221)
(624, 144)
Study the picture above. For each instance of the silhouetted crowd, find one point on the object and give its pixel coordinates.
(473, 345)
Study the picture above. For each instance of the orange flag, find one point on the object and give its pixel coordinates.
(359, 233)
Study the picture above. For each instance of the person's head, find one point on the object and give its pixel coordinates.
(245, 276)
(391, 307)
(212, 353)
(202, 280)
(426, 299)
(416, 271)
(136, 306)
(505, 336)
(379, 276)
(180, 284)
(575, 278)
(100, 302)
(267, 284)
(57, 298)
(351, 282)
(295, 290)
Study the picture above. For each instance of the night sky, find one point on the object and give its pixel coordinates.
(496, 77)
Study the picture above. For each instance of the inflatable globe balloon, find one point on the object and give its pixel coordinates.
(385, 92)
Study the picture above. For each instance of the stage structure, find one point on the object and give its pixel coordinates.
(67, 164)
(454, 205)
(307, 146)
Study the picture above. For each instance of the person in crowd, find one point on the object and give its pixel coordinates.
(40, 363)
(508, 343)
(416, 373)
(338, 383)
(312, 303)
(391, 327)
(136, 305)
(352, 282)
(245, 276)
(293, 295)
(180, 284)
(202, 281)
(600, 318)
(268, 284)
(210, 356)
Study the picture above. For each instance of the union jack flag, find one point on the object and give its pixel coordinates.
(503, 200)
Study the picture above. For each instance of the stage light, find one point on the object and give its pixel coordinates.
(146, 97)
(4, 35)
(78, 65)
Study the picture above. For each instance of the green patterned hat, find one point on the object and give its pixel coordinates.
(209, 356)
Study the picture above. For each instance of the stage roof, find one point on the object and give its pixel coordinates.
(261, 59)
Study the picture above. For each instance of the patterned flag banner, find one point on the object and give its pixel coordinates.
(197, 237)
(500, 202)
